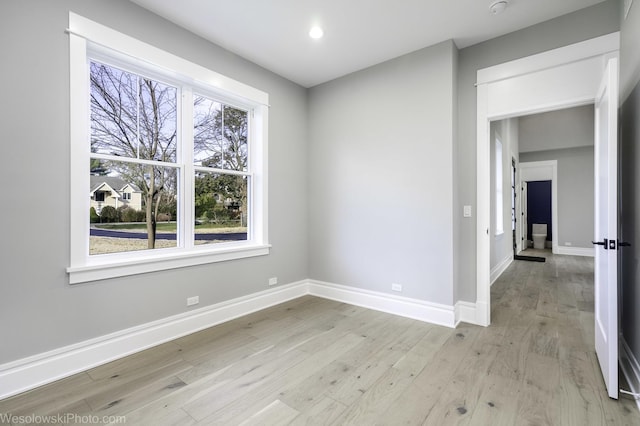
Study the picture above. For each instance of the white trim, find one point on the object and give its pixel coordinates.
(433, 313)
(466, 312)
(172, 259)
(569, 58)
(630, 368)
(88, 39)
(545, 170)
(502, 266)
(103, 36)
(587, 49)
(576, 251)
(27, 373)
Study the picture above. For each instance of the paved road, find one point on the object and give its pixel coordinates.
(235, 236)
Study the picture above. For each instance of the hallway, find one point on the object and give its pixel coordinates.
(544, 311)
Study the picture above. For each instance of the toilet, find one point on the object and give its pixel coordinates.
(539, 235)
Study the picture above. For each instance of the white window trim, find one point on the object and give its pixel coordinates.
(499, 189)
(84, 33)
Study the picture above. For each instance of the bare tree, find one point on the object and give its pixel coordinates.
(220, 141)
(134, 117)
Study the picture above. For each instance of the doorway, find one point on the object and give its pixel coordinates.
(547, 82)
(553, 80)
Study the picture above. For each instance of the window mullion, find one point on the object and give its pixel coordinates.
(186, 159)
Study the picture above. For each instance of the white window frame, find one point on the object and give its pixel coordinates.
(87, 37)
(499, 190)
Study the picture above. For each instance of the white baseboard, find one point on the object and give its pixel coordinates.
(576, 251)
(28, 373)
(466, 312)
(630, 368)
(411, 308)
(497, 270)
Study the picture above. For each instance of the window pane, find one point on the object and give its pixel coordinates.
(132, 116)
(220, 135)
(220, 208)
(133, 207)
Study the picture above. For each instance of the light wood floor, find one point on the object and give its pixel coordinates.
(314, 361)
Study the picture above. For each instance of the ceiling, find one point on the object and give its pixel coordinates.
(358, 33)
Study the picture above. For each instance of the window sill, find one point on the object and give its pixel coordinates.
(160, 262)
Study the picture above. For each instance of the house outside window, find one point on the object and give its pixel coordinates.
(175, 165)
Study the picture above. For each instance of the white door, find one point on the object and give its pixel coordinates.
(606, 227)
(523, 223)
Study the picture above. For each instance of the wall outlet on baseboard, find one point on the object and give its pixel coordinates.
(568, 244)
(396, 287)
(273, 281)
(193, 300)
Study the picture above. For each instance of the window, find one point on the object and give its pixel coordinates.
(173, 154)
(499, 193)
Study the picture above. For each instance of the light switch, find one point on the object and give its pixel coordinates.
(466, 211)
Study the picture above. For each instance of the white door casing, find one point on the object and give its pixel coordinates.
(606, 227)
(545, 170)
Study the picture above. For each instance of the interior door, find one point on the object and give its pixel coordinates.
(523, 222)
(606, 227)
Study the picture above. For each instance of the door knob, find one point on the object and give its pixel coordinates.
(601, 243)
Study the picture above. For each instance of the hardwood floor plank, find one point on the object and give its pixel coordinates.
(497, 402)
(48, 398)
(277, 413)
(325, 412)
(536, 405)
(271, 389)
(254, 374)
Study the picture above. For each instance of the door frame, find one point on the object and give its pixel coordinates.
(557, 79)
(545, 170)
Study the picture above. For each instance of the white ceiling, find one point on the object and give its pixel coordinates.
(358, 33)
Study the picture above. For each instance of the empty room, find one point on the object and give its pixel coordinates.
(284, 212)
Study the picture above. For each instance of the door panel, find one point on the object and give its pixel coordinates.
(606, 227)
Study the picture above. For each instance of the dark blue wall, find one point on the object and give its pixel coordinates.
(539, 205)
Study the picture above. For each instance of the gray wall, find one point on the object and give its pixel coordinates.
(381, 176)
(566, 128)
(591, 22)
(630, 180)
(39, 311)
(575, 193)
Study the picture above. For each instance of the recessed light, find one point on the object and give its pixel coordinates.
(316, 32)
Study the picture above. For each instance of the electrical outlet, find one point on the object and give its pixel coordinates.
(193, 300)
(568, 243)
(396, 287)
(273, 281)
(466, 211)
